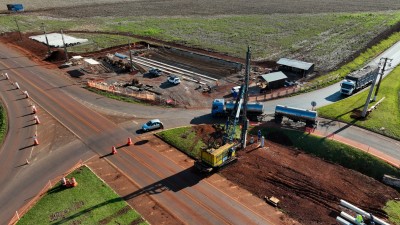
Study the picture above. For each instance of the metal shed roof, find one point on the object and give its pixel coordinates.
(270, 77)
(91, 61)
(295, 63)
(55, 39)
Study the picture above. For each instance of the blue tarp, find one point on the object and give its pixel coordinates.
(120, 55)
(15, 7)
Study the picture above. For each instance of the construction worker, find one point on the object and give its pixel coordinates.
(259, 136)
(262, 142)
(359, 219)
(251, 139)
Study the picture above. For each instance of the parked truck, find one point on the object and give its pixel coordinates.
(296, 114)
(15, 7)
(358, 80)
(220, 107)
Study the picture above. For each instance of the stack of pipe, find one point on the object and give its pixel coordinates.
(362, 212)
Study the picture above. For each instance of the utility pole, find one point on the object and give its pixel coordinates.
(245, 100)
(19, 31)
(65, 47)
(382, 72)
(130, 55)
(364, 112)
(47, 40)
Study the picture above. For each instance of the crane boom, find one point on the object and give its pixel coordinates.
(241, 101)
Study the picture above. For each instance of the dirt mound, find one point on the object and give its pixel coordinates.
(211, 135)
(23, 42)
(309, 188)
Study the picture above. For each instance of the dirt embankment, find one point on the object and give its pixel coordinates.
(309, 189)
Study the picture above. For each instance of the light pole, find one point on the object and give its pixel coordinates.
(130, 56)
(65, 47)
(364, 112)
(47, 40)
(19, 31)
(383, 61)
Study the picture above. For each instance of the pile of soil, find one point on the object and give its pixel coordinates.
(309, 189)
(211, 135)
(22, 41)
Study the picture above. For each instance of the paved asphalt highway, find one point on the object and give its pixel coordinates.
(191, 199)
(77, 109)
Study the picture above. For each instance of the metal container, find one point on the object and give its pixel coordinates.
(296, 113)
(252, 107)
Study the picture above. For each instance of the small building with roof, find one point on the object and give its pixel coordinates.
(295, 66)
(273, 80)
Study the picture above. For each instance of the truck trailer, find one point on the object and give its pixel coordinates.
(358, 80)
(220, 108)
(296, 114)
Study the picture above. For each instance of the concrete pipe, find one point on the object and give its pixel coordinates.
(347, 217)
(343, 221)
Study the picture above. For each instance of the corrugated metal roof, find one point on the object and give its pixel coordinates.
(295, 63)
(91, 61)
(270, 77)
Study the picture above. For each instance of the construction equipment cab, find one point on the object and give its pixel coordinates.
(213, 159)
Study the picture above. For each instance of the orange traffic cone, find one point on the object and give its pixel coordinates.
(35, 141)
(37, 121)
(114, 150)
(129, 141)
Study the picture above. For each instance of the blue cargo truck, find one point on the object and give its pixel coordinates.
(15, 7)
(255, 110)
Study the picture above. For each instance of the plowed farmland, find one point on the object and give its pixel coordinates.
(87, 8)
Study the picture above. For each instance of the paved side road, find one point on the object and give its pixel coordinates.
(373, 143)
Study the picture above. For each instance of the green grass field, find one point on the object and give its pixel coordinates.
(91, 202)
(387, 115)
(393, 210)
(99, 41)
(184, 139)
(325, 39)
(3, 123)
